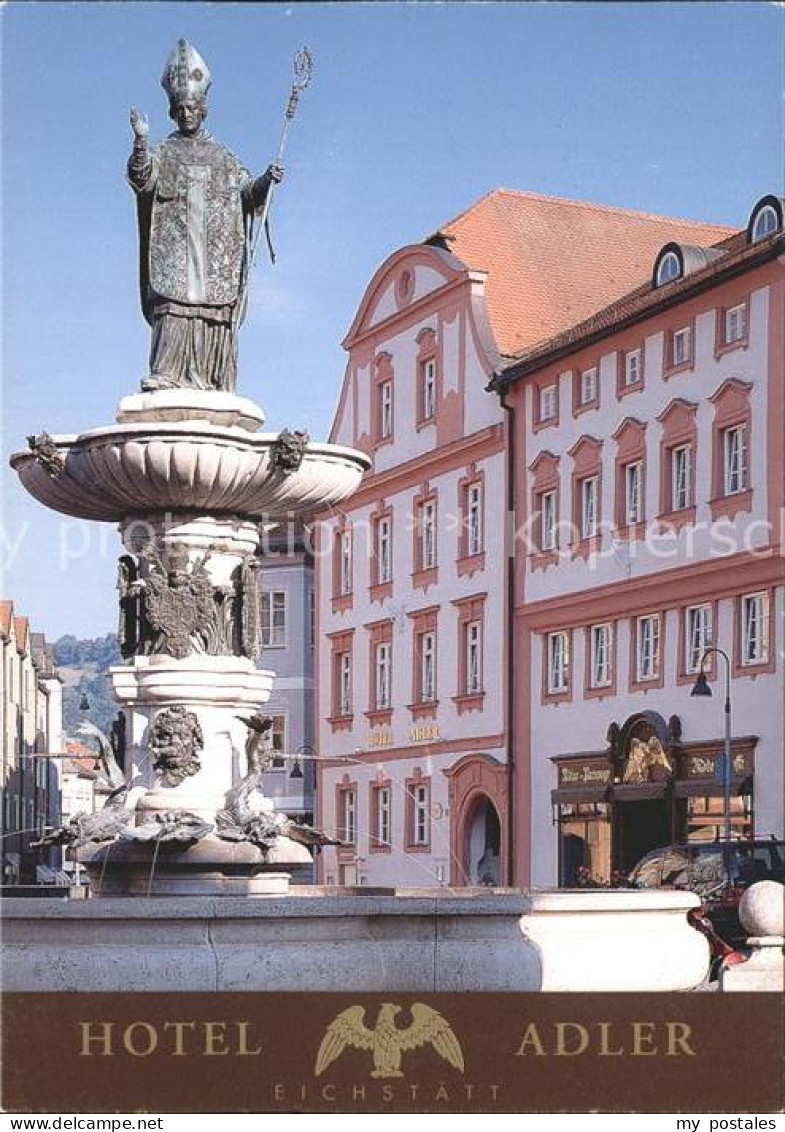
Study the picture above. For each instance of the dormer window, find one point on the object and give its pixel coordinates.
(668, 269)
(766, 218)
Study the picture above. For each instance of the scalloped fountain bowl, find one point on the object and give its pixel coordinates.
(187, 466)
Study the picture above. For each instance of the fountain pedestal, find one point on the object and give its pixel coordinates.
(191, 483)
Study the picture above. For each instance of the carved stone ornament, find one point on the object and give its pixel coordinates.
(248, 607)
(286, 454)
(171, 825)
(647, 761)
(180, 607)
(175, 741)
(46, 453)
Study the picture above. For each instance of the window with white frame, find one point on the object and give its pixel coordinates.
(589, 385)
(766, 222)
(735, 323)
(273, 615)
(383, 675)
(345, 684)
(349, 816)
(648, 647)
(345, 562)
(278, 741)
(474, 518)
(755, 628)
(682, 345)
(428, 535)
(421, 813)
(697, 635)
(383, 810)
(633, 497)
(429, 389)
(385, 410)
(548, 520)
(548, 403)
(681, 476)
(558, 662)
(473, 674)
(588, 489)
(427, 667)
(600, 656)
(632, 367)
(384, 549)
(669, 268)
(734, 460)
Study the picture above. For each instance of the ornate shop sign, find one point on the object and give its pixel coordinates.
(381, 737)
(424, 733)
(704, 765)
(596, 773)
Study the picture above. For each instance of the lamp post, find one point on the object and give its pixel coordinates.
(701, 688)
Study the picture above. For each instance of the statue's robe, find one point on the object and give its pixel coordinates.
(196, 205)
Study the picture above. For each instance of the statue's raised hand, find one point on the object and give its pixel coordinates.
(139, 124)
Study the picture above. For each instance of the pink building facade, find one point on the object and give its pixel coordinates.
(411, 591)
(416, 688)
(649, 445)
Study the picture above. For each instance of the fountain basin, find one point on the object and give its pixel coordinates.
(152, 467)
(319, 939)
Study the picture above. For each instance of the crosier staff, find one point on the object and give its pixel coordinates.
(303, 67)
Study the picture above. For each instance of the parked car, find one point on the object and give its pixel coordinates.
(718, 871)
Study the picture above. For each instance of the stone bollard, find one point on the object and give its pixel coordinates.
(762, 913)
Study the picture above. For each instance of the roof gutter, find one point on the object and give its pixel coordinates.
(509, 534)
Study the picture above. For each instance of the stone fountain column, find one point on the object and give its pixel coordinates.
(191, 483)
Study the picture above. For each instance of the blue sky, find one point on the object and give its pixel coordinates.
(415, 110)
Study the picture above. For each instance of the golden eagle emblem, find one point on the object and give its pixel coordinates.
(386, 1042)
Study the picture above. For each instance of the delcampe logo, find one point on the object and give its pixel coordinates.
(385, 1042)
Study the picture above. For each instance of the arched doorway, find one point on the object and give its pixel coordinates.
(482, 843)
(478, 821)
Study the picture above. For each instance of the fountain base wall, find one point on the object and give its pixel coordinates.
(317, 939)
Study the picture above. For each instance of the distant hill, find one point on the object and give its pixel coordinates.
(82, 664)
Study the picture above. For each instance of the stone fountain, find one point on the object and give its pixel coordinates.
(191, 482)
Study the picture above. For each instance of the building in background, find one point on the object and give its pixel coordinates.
(288, 647)
(649, 446)
(414, 678)
(32, 743)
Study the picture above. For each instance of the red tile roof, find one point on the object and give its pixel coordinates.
(21, 625)
(6, 613)
(553, 262)
(737, 255)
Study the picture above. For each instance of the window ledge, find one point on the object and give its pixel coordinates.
(624, 390)
(421, 579)
(378, 847)
(670, 520)
(426, 422)
(424, 709)
(542, 559)
(470, 563)
(644, 684)
(383, 442)
(562, 697)
(673, 370)
(586, 546)
(342, 602)
(381, 591)
(469, 701)
(549, 422)
(727, 347)
(341, 722)
(586, 407)
(379, 715)
(419, 848)
(632, 532)
(730, 505)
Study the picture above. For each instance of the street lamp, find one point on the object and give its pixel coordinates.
(701, 688)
